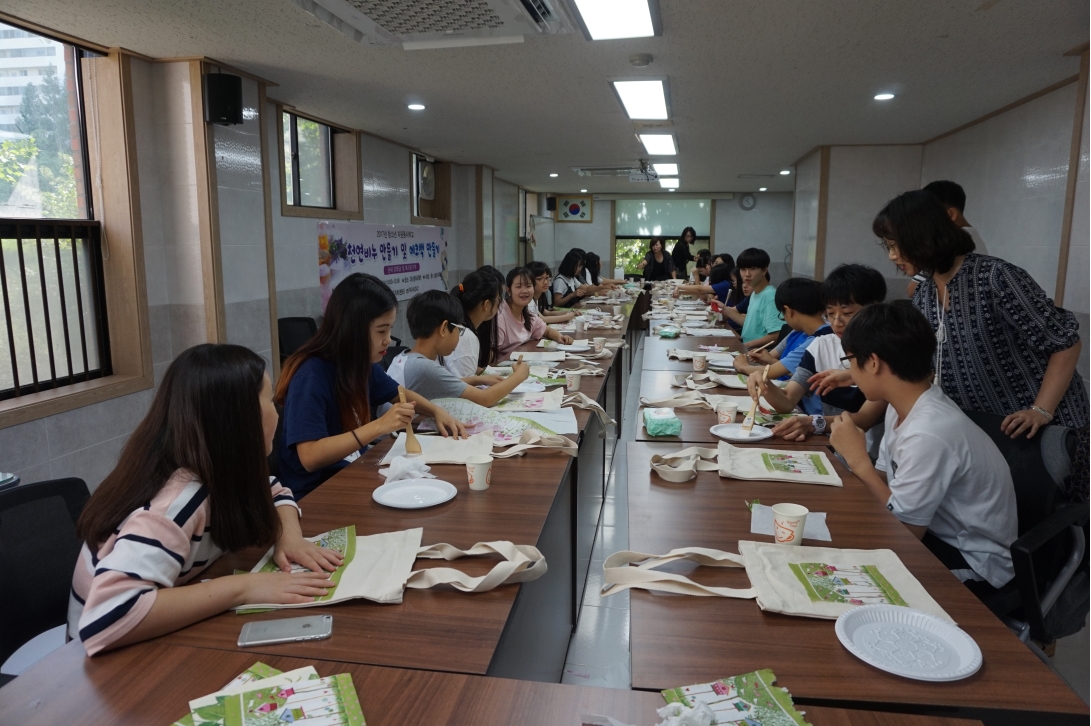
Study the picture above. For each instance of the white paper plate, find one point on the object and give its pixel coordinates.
(578, 346)
(734, 432)
(414, 493)
(696, 324)
(908, 642)
(529, 386)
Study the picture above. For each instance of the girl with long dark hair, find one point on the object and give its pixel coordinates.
(542, 304)
(329, 387)
(515, 324)
(480, 296)
(569, 286)
(681, 254)
(191, 483)
(592, 273)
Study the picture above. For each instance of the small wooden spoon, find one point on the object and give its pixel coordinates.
(412, 446)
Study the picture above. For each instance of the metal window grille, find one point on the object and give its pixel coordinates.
(54, 326)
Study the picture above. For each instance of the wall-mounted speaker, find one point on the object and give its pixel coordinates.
(551, 204)
(223, 99)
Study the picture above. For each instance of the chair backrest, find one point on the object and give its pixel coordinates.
(1038, 466)
(293, 333)
(392, 352)
(38, 552)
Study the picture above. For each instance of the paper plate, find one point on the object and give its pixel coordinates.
(734, 432)
(908, 642)
(578, 346)
(529, 386)
(414, 493)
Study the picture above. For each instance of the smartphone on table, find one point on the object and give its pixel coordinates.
(286, 630)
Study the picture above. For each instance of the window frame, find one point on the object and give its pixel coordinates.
(346, 184)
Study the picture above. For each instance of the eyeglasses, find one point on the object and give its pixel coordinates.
(842, 317)
(455, 326)
(846, 358)
(888, 244)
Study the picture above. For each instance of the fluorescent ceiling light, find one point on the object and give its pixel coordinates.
(643, 99)
(668, 183)
(416, 107)
(583, 191)
(884, 96)
(659, 144)
(785, 172)
(553, 175)
(763, 189)
(666, 169)
(608, 19)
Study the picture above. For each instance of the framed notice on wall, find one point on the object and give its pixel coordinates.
(574, 208)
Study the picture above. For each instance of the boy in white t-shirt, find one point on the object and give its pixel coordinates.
(940, 474)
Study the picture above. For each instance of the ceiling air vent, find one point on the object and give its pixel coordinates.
(421, 24)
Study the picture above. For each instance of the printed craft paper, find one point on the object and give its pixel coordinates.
(749, 700)
(734, 462)
(321, 702)
(816, 582)
(506, 426)
(209, 710)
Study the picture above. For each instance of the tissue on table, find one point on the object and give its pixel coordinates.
(407, 467)
(675, 714)
(662, 422)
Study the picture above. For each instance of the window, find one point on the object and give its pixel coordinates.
(53, 328)
(629, 251)
(308, 162)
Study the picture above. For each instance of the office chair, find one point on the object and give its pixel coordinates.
(293, 333)
(38, 552)
(1048, 598)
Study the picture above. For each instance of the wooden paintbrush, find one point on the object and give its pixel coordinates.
(412, 446)
(748, 422)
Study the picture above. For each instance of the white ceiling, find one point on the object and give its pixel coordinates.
(753, 85)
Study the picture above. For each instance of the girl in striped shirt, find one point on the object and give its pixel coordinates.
(191, 483)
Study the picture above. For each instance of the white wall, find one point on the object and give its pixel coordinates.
(240, 193)
(1014, 168)
(767, 226)
(593, 236)
(862, 180)
(805, 234)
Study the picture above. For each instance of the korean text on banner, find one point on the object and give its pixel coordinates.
(408, 258)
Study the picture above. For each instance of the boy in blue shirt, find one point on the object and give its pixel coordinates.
(434, 321)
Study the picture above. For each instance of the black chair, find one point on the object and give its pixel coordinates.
(393, 351)
(1050, 555)
(38, 552)
(293, 333)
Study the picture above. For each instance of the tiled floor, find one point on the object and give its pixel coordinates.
(598, 654)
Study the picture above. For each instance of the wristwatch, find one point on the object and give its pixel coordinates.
(819, 422)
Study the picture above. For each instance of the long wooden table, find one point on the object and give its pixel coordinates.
(693, 639)
(153, 683)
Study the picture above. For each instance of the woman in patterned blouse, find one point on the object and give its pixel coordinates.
(1004, 347)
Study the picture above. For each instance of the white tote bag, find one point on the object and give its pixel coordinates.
(735, 462)
(380, 566)
(816, 582)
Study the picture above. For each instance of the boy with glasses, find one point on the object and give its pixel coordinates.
(430, 317)
(847, 290)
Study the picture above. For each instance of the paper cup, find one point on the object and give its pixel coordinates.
(700, 362)
(581, 324)
(669, 303)
(617, 310)
(788, 523)
(479, 471)
(725, 413)
(572, 381)
(599, 344)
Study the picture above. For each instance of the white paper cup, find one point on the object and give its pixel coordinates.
(725, 413)
(572, 381)
(788, 523)
(581, 324)
(599, 344)
(700, 362)
(479, 471)
(617, 310)
(669, 303)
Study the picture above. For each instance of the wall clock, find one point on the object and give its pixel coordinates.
(747, 202)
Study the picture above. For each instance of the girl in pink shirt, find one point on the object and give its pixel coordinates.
(514, 324)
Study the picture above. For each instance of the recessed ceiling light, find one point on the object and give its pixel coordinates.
(643, 100)
(884, 96)
(583, 191)
(666, 169)
(762, 189)
(659, 144)
(553, 175)
(668, 183)
(416, 107)
(785, 172)
(672, 190)
(607, 19)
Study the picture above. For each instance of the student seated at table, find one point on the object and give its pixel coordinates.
(937, 471)
(800, 302)
(718, 285)
(761, 323)
(592, 269)
(515, 325)
(845, 292)
(569, 286)
(191, 483)
(702, 263)
(479, 296)
(329, 387)
(542, 304)
(431, 315)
